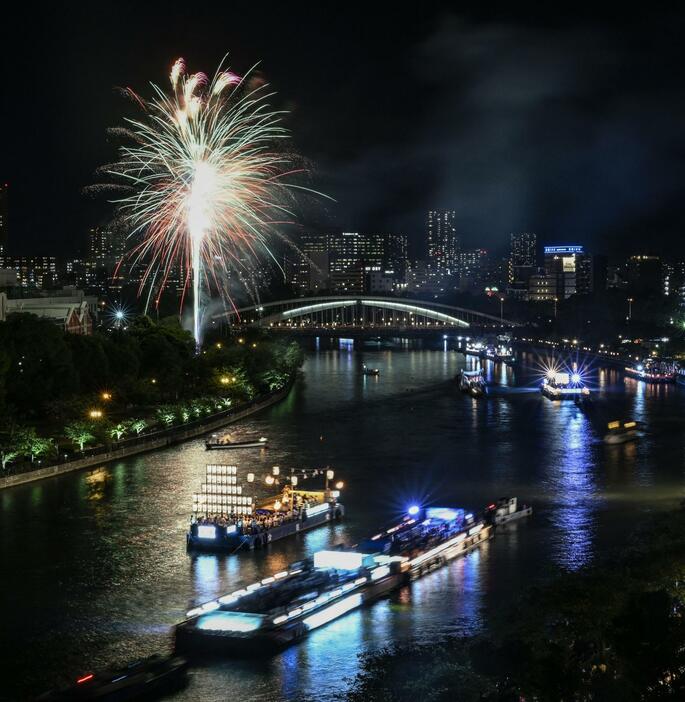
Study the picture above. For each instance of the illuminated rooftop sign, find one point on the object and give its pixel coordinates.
(563, 249)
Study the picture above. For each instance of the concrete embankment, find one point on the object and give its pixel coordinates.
(149, 442)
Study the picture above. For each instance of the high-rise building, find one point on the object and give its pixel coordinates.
(673, 280)
(33, 272)
(644, 276)
(310, 267)
(443, 243)
(600, 273)
(571, 266)
(4, 213)
(395, 260)
(542, 287)
(338, 261)
(522, 258)
(106, 246)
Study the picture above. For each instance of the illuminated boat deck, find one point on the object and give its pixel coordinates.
(283, 608)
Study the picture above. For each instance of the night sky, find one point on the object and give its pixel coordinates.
(571, 127)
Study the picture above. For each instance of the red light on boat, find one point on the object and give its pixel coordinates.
(85, 678)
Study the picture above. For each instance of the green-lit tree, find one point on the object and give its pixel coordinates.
(11, 444)
(165, 414)
(37, 446)
(80, 433)
(118, 430)
(138, 426)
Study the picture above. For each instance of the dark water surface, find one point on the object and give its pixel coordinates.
(94, 568)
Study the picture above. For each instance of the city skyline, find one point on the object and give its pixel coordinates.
(469, 147)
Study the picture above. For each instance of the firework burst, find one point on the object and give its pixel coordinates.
(205, 181)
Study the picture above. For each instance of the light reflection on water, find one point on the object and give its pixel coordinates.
(97, 559)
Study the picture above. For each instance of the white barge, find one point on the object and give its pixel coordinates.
(279, 610)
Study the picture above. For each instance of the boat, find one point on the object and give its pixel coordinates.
(225, 519)
(564, 386)
(280, 610)
(225, 441)
(153, 676)
(500, 353)
(370, 371)
(654, 370)
(504, 353)
(621, 432)
(474, 347)
(472, 383)
(506, 510)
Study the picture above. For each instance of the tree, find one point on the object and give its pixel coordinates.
(34, 446)
(138, 425)
(80, 433)
(41, 365)
(118, 430)
(165, 414)
(11, 444)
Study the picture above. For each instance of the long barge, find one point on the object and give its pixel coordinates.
(653, 370)
(280, 610)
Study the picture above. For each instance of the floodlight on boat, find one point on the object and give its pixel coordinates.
(340, 560)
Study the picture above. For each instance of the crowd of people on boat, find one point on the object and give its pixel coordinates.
(257, 522)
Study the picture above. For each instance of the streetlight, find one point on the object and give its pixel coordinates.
(630, 308)
(501, 310)
(95, 414)
(556, 299)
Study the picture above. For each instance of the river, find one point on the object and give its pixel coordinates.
(94, 566)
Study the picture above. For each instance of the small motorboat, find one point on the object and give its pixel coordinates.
(370, 371)
(227, 442)
(621, 432)
(472, 383)
(146, 678)
(505, 510)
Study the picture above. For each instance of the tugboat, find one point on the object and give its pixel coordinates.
(504, 354)
(654, 370)
(280, 610)
(474, 348)
(564, 386)
(472, 383)
(506, 510)
(152, 676)
(225, 519)
(226, 441)
(370, 371)
(620, 433)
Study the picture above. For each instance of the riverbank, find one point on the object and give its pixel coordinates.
(150, 442)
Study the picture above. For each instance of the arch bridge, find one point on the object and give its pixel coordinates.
(360, 312)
